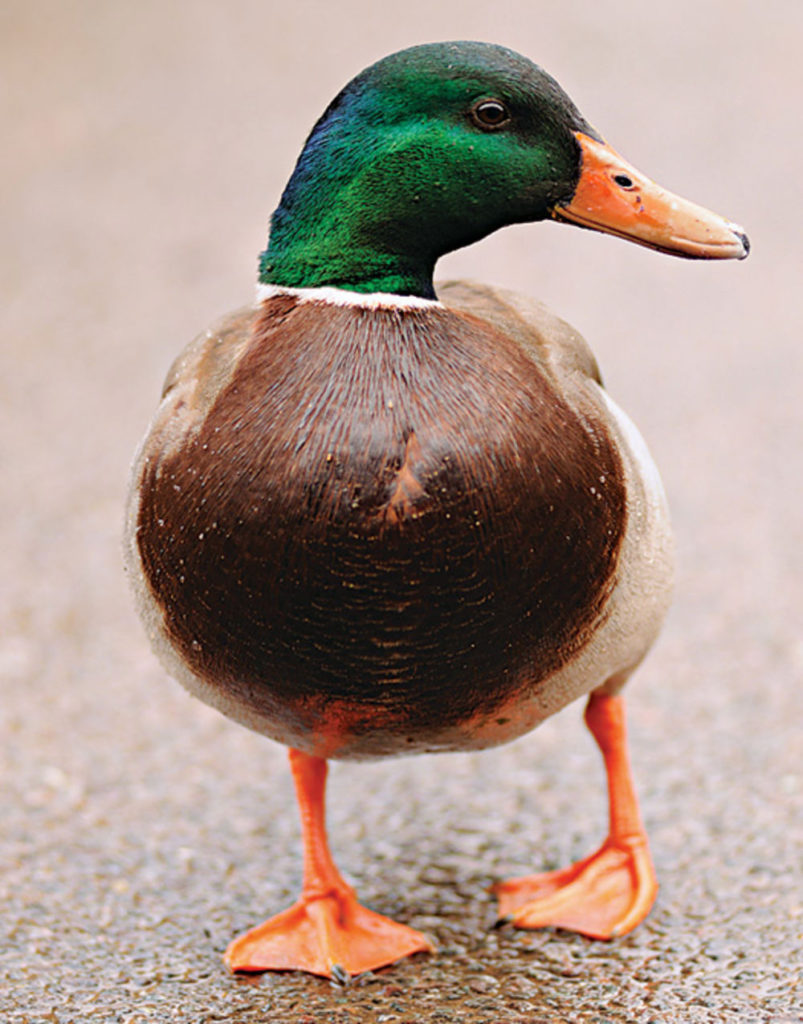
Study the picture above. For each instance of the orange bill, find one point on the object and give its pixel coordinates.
(614, 197)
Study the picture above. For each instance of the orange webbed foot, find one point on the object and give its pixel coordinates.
(613, 890)
(328, 935)
(326, 931)
(603, 896)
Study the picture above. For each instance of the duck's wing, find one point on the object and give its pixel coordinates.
(203, 366)
(555, 344)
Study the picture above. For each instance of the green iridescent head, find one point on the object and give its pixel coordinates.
(426, 151)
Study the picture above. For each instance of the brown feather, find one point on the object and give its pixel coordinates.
(383, 524)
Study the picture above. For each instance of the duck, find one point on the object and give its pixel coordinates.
(376, 517)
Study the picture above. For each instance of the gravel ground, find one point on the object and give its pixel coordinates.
(143, 149)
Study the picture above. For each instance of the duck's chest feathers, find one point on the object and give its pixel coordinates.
(393, 513)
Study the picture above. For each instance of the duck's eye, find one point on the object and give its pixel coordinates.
(490, 114)
(623, 181)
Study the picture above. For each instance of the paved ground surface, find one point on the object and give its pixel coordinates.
(143, 147)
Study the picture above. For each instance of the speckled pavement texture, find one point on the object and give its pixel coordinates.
(143, 148)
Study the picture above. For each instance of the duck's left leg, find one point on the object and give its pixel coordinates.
(613, 890)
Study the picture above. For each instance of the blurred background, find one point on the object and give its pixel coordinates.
(144, 146)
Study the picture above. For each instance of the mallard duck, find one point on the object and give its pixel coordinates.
(373, 517)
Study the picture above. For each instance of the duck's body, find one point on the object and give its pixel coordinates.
(372, 518)
(408, 527)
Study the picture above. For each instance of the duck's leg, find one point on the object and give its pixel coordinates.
(610, 892)
(326, 931)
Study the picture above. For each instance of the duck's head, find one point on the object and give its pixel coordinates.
(434, 147)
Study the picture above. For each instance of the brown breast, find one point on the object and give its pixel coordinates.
(389, 520)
